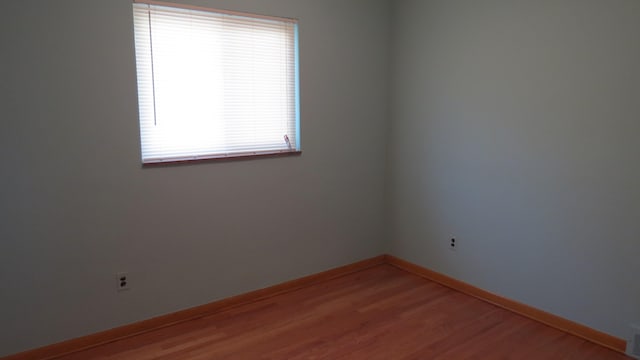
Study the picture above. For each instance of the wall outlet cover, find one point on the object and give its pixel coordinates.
(453, 244)
(122, 281)
(633, 347)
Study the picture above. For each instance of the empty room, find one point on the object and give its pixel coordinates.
(319, 179)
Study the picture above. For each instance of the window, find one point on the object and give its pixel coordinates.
(215, 84)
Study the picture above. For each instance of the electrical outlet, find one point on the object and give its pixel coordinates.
(122, 281)
(453, 244)
(633, 347)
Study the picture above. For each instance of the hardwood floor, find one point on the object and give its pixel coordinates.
(379, 313)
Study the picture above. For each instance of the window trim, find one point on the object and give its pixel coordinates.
(233, 157)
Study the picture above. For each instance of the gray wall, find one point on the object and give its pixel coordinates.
(513, 127)
(76, 207)
(516, 128)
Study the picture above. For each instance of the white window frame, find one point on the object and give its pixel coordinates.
(256, 115)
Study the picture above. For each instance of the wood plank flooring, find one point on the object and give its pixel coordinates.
(379, 313)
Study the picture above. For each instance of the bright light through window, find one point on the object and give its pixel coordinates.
(215, 84)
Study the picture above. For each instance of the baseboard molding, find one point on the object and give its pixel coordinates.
(74, 345)
(544, 317)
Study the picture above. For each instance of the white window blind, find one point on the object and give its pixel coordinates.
(214, 84)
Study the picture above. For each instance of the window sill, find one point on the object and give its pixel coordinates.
(218, 158)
